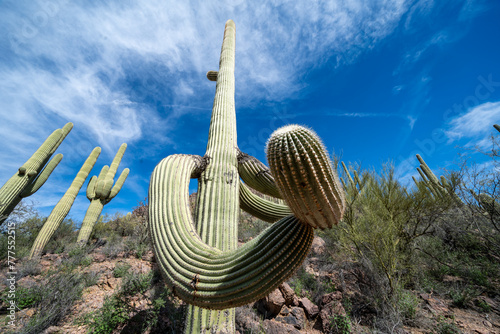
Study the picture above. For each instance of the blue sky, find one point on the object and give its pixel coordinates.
(379, 81)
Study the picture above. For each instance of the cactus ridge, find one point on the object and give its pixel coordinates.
(203, 275)
(261, 208)
(64, 205)
(305, 177)
(257, 175)
(33, 173)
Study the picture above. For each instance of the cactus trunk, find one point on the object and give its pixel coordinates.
(218, 185)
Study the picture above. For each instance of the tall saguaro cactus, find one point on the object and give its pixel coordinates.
(62, 208)
(100, 191)
(33, 173)
(198, 255)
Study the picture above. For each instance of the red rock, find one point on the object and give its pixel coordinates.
(287, 293)
(311, 309)
(273, 303)
(327, 299)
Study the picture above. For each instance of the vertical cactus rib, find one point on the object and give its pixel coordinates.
(305, 177)
(260, 207)
(203, 275)
(256, 175)
(33, 173)
(100, 191)
(62, 208)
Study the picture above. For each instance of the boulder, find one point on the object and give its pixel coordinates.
(310, 309)
(287, 293)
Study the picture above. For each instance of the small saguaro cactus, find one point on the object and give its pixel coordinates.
(33, 173)
(198, 255)
(62, 208)
(100, 191)
(440, 188)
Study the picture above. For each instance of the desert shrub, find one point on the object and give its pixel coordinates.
(340, 324)
(121, 270)
(117, 308)
(53, 298)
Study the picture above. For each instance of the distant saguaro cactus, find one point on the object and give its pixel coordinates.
(33, 173)
(440, 188)
(199, 257)
(62, 208)
(100, 191)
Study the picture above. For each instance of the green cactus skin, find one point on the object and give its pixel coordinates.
(256, 175)
(497, 127)
(348, 175)
(206, 276)
(62, 208)
(261, 208)
(33, 173)
(100, 191)
(440, 188)
(305, 177)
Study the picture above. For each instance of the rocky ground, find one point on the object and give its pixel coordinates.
(344, 310)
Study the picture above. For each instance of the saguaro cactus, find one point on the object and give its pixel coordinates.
(440, 188)
(198, 256)
(33, 173)
(100, 191)
(62, 208)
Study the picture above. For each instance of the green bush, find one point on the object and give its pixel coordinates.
(121, 270)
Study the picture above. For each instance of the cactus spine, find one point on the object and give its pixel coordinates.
(33, 173)
(100, 191)
(62, 208)
(198, 256)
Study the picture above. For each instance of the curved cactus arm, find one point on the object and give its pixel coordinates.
(205, 276)
(256, 175)
(497, 127)
(101, 183)
(91, 217)
(303, 172)
(12, 190)
(62, 208)
(119, 183)
(260, 207)
(91, 188)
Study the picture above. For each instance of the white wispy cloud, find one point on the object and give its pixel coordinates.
(476, 125)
